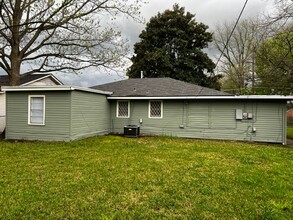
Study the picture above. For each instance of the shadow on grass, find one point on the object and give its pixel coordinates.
(2, 135)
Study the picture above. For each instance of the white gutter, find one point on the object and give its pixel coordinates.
(241, 97)
(71, 88)
(51, 88)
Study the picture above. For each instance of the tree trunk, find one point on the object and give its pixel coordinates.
(15, 56)
(14, 75)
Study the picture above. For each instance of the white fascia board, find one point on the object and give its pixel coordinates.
(251, 97)
(57, 80)
(52, 88)
(289, 97)
(36, 88)
(92, 90)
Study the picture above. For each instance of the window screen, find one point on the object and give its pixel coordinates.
(155, 109)
(123, 109)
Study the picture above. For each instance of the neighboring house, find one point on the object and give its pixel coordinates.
(30, 80)
(160, 106)
(290, 116)
(290, 113)
(2, 111)
(33, 80)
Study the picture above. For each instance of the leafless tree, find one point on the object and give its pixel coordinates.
(237, 51)
(60, 35)
(282, 13)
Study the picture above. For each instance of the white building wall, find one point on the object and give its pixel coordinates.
(2, 111)
(43, 82)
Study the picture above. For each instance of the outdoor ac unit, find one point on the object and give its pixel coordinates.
(131, 131)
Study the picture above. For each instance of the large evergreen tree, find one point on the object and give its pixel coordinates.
(171, 46)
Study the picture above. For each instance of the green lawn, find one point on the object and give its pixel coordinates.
(290, 132)
(113, 177)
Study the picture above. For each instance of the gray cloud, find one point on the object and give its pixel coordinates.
(209, 12)
(90, 77)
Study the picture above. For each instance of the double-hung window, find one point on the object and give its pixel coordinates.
(123, 109)
(36, 110)
(155, 109)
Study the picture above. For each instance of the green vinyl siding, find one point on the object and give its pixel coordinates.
(57, 117)
(222, 116)
(269, 121)
(139, 110)
(90, 114)
(211, 119)
(193, 120)
(174, 115)
(69, 115)
(75, 114)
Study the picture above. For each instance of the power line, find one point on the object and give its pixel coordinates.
(232, 32)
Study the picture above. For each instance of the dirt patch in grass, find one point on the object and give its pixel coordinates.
(290, 142)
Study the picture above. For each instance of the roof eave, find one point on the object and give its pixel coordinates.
(224, 97)
(51, 88)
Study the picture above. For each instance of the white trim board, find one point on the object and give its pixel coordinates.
(29, 109)
(243, 97)
(52, 88)
(128, 108)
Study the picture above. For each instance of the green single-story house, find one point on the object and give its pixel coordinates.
(27, 80)
(159, 106)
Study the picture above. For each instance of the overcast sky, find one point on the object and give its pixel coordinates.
(209, 12)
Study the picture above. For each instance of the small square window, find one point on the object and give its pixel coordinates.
(123, 109)
(155, 109)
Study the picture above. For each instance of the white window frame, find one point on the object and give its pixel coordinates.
(117, 109)
(161, 109)
(29, 109)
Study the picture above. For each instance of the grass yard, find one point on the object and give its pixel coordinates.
(112, 177)
(290, 132)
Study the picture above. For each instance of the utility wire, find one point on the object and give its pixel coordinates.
(232, 32)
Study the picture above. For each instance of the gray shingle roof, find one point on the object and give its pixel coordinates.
(4, 79)
(156, 87)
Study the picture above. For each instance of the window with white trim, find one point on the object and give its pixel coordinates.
(36, 110)
(155, 109)
(123, 109)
